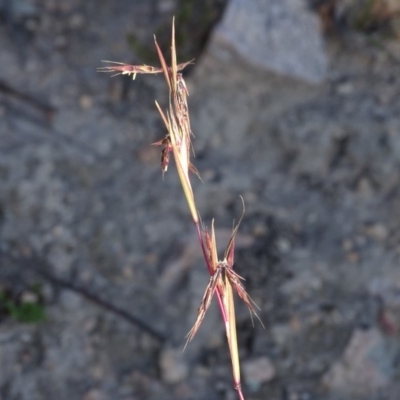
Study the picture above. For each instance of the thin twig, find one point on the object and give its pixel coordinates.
(39, 266)
(47, 109)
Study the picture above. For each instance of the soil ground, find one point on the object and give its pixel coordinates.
(86, 213)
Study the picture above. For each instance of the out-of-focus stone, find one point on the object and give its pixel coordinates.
(76, 21)
(172, 365)
(366, 365)
(86, 102)
(258, 371)
(378, 232)
(93, 394)
(281, 35)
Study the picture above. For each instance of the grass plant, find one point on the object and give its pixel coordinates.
(178, 142)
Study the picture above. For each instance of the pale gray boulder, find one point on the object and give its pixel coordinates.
(281, 35)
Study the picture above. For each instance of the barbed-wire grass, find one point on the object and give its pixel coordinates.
(178, 141)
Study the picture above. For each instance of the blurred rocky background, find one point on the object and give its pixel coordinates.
(295, 105)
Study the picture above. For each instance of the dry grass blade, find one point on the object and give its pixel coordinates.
(162, 115)
(216, 281)
(165, 153)
(195, 171)
(173, 57)
(163, 64)
(128, 69)
(234, 279)
(223, 279)
(205, 304)
(231, 335)
(230, 248)
(213, 247)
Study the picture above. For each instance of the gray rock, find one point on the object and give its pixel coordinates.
(258, 371)
(282, 35)
(366, 366)
(173, 366)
